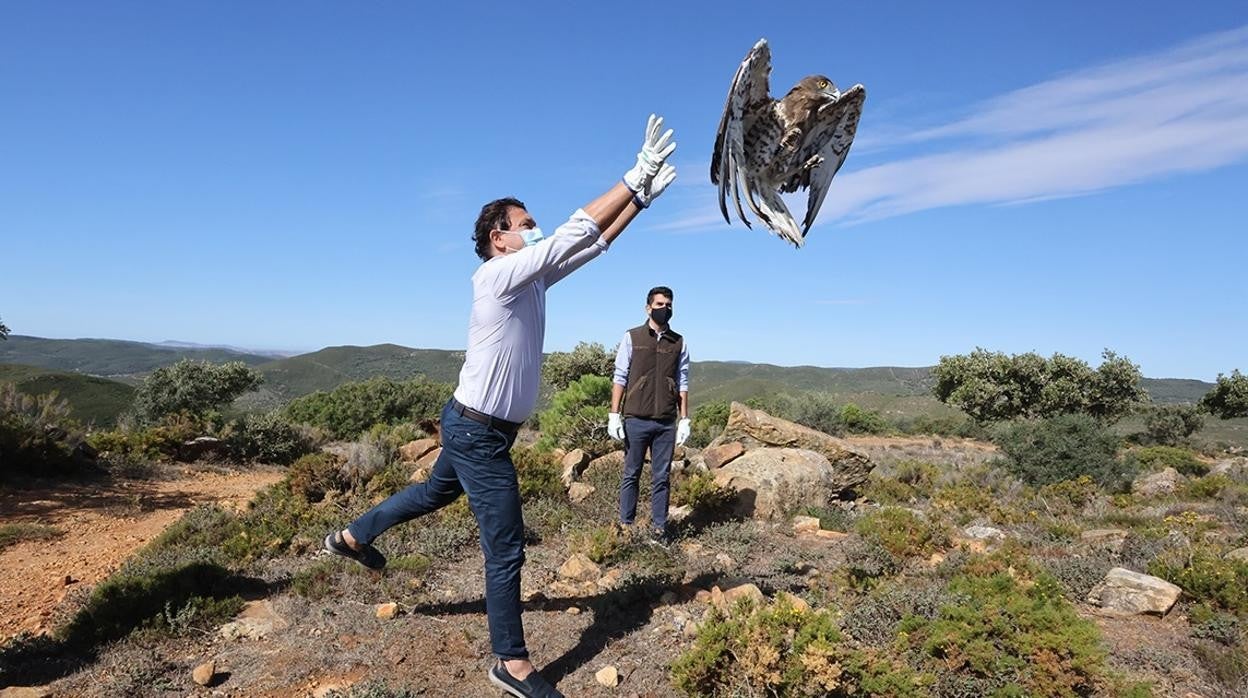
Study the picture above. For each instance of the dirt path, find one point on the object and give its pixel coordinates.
(102, 524)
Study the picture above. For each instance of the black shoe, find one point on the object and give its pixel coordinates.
(533, 685)
(367, 555)
(660, 538)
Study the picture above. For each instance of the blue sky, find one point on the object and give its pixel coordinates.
(1028, 176)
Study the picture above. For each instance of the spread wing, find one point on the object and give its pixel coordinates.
(749, 88)
(830, 137)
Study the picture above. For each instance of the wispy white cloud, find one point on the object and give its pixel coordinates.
(1182, 110)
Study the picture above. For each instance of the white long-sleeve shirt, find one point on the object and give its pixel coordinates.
(502, 369)
(624, 359)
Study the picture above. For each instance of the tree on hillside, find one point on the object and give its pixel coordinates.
(194, 387)
(4, 330)
(1229, 398)
(991, 386)
(563, 368)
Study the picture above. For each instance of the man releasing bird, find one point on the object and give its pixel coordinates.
(767, 146)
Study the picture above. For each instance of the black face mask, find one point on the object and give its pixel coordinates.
(661, 315)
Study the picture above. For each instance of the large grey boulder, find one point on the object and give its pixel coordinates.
(769, 481)
(1126, 592)
(756, 429)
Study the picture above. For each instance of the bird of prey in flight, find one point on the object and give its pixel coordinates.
(767, 146)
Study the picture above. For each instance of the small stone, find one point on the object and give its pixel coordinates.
(796, 602)
(1109, 538)
(723, 454)
(26, 692)
(805, 524)
(412, 451)
(204, 673)
(831, 535)
(386, 611)
(580, 491)
(668, 598)
(573, 610)
(608, 676)
(1240, 554)
(691, 629)
(730, 597)
(678, 514)
(610, 580)
(703, 596)
(580, 568)
(983, 533)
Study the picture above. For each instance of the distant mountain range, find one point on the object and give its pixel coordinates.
(898, 390)
(275, 353)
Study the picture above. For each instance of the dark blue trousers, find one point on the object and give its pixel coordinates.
(475, 459)
(660, 438)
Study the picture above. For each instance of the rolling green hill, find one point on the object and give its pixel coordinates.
(110, 358)
(91, 399)
(887, 388)
(286, 379)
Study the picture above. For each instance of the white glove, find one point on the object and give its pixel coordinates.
(654, 150)
(682, 431)
(615, 426)
(654, 187)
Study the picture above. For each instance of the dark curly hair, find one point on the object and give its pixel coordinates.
(659, 291)
(493, 217)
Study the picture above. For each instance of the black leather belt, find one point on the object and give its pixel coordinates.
(482, 418)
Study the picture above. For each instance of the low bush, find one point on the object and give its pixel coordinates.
(37, 437)
(1154, 458)
(1205, 576)
(1013, 629)
(1045, 451)
(783, 650)
(902, 532)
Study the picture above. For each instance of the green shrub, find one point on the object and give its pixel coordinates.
(315, 475)
(1171, 425)
(708, 422)
(1205, 576)
(11, 534)
(193, 387)
(195, 594)
(563, 368)
(1045, 451)
(37, 437)
(701, 493)
(599, 543)
(577, 417)
(1229, 398)
(267, 438)
(1022, 634)
(317, 580)
(991, 386)
(539, 474)
(352, 408)
(1208, 487)
(856, 420)
(783, 650)
(1155, 458)
(901, 532)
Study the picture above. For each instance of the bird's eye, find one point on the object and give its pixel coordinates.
(823, 84)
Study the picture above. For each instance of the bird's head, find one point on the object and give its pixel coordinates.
(819, 85)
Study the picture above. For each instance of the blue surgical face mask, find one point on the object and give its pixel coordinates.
(531, 237)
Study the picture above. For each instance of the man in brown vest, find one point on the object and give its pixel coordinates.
(650, 407)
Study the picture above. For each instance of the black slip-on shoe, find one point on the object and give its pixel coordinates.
(367, 555)
(533, 685)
